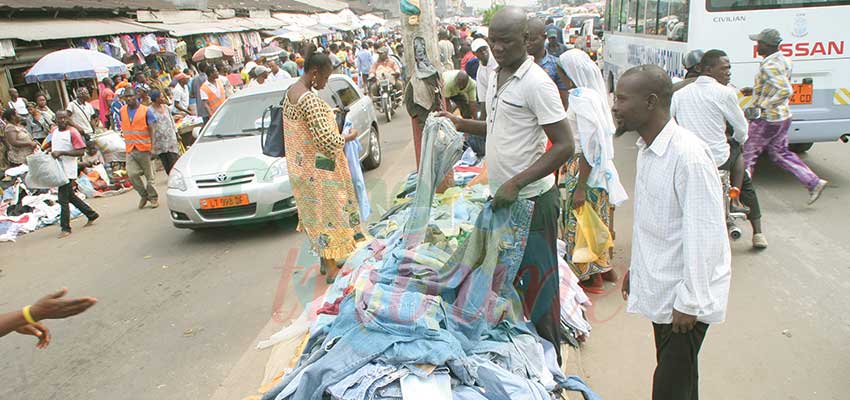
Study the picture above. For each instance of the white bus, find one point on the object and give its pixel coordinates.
(661, 32)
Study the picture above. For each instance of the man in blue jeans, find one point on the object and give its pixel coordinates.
(524, 110)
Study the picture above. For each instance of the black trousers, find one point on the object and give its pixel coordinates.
(66, 196)
(676, 375)
(168, 160)
(537, 279)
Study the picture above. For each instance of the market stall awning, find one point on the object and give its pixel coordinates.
(49, 29)
(225, 25)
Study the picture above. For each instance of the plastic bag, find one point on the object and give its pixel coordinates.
(85, 186)
(110, 142)
(593, 238)
(45, 172)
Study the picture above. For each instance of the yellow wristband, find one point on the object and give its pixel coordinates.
(28, 315)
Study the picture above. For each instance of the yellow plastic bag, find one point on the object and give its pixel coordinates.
(593, 238)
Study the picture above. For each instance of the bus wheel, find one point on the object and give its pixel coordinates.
(800, 147)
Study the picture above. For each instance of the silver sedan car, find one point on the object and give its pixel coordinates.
(224, 178)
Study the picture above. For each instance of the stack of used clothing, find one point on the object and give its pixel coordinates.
(23, 211)
(427, 309)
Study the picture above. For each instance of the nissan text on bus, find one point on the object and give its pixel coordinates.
(661, 32)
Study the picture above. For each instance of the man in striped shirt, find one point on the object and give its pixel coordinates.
(769, 132)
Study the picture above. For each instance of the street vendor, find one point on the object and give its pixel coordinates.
(181, 94)
(524, 110)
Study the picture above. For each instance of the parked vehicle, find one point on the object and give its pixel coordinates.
(573, 24)
(589, 40)
(224, 178)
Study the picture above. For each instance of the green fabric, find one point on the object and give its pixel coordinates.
(450, 88)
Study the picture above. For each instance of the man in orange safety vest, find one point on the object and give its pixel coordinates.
(137, 125)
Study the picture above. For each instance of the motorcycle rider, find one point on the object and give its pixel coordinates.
(384, 68)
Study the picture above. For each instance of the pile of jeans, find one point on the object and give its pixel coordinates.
(428, 310)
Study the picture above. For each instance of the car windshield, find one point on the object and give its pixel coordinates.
(242, 116)
(577, 21)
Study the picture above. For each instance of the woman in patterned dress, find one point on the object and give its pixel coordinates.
(328, 211)
(589, 176)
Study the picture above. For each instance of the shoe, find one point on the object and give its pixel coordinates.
(154, 203)
(142, 203)
(91, 220)
(738, 208)
(815, 193)
(759, 241)
(63, 235)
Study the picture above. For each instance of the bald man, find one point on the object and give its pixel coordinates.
(680, 262)
(537, 48)
(523, 110)
(461, 91)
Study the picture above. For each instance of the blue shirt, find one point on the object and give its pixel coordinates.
(151, 117)
(549, 63)
(364, 61)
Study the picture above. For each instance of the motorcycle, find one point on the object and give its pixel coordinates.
(732, 228)
(388, 98)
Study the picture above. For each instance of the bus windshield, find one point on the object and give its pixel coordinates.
(739, 5)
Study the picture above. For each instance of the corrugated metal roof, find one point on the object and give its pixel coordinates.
(237, 24)
(45, 29)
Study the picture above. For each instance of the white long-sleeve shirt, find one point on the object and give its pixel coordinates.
(704, 107)
(680, 252)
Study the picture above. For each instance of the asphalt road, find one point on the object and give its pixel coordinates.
(180, 312)
(787, 334)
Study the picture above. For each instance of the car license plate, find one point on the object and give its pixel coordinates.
(802, 93)
(224, 201)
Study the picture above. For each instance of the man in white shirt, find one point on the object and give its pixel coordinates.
(181, 94)
(276, 73)
(81, 114)
(708, 107)
(67, 145)
(487, 66)
(18, 103)
(681, 262)
(523, 110)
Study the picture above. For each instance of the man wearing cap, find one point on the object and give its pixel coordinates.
(551, 29)
(553, 46)
(536, 47)
(486, 67)
(261, 75)
(384, 68)
(769, 132)
(137, 123)
(181, 94)
(691, 62)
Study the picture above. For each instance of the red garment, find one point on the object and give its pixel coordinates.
(466, 57)
(464, 168)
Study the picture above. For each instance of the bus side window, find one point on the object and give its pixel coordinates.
(677, 21)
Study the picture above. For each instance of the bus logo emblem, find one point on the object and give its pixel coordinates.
(801, 27)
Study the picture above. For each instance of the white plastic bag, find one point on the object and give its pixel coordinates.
(110, 142)
(45, 172)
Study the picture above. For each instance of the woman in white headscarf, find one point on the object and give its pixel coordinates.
(589, 176)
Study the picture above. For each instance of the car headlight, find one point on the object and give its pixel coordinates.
(176, 181)
(277, 170)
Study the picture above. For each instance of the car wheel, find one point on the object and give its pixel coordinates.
(373, 160)
(800, 147)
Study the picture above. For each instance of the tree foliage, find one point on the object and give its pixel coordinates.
(489, 13)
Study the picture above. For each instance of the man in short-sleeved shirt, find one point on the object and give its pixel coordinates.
(67, 145)
(461, 90)
(81, 113)
(523, 111)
